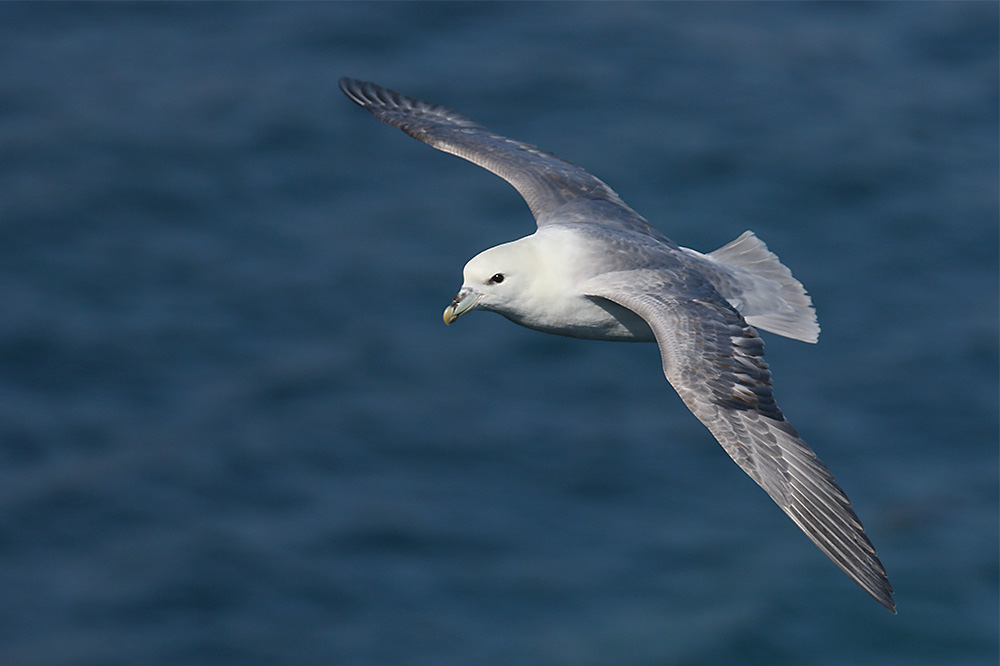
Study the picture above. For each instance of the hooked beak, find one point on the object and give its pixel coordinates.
(464, 301)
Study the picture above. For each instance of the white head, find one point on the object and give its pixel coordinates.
(499, 279)
(540, 282)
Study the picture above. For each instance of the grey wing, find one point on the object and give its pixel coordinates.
(714, 360)
(555, 190)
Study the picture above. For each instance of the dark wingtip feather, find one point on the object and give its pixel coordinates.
(364, 93)
(399, 110)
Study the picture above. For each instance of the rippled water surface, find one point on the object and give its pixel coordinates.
(235, 430)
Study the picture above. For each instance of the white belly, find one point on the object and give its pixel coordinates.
(591, 318)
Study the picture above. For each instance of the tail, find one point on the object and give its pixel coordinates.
(763, 290)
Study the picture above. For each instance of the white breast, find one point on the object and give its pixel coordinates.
(553, 302)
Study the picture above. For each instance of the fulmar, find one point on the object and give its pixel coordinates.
(595, 269)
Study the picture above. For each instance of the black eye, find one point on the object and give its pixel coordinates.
(496, 279)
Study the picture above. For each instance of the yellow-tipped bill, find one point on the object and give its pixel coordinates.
(464, 301)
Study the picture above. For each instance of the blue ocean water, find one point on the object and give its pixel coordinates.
(235, 430)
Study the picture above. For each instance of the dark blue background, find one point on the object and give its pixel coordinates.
(234, 430)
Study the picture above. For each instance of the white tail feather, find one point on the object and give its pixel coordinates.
(762, 289)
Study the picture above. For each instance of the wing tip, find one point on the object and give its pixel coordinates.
(363, 93)
(883, 596)
(347, 84)
(880, 589)
(883, 593)
(409, 114)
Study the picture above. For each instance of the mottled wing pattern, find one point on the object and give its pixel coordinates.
(715, 361)
(547, 183)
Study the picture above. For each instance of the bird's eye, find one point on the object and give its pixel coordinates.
(496, 279)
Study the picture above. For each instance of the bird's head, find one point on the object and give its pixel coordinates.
(499, 279)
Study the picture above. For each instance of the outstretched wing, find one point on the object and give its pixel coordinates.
(555, 190)
(715, 361)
